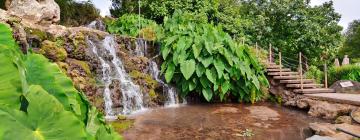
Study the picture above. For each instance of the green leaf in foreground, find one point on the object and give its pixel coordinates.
(45, 119)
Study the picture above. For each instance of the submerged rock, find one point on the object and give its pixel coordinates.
(225, 110)
(263, 113)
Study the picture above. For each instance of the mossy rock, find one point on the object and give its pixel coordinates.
(52, 51)
(122, 125)
(145, 78)
(41, 35)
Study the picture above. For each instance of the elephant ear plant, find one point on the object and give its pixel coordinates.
(38, 101)
(202, 58)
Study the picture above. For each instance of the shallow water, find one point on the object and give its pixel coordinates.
(220, 122)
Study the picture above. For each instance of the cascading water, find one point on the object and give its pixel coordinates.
(172, 96)
(132, 98)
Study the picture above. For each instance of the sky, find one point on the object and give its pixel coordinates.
(349, 9)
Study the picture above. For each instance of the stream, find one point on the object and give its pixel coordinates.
(263, 121)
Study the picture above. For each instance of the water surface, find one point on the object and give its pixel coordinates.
(220, 122)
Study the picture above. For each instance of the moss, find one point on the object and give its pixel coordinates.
(152, 94)
(148, 33)
(38, 33)
(63, 66)
(121, 117)
(145, 77)
(52, 51)
(84, 66)
(122, 125)
(79, 39)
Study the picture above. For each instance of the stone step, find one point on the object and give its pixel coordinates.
(295, 77)
(278, 70)
(343, 98)
(282, 73)
(314, 91)
(304, 85)
(305, 81)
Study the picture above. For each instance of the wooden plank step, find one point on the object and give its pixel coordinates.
(273, 66)
(287, 77)
(282, 73)
(305, 81)
(304, 85)
(343, 98)
(277, 70)
(314, 90)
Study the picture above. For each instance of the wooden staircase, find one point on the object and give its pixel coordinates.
(294, 82)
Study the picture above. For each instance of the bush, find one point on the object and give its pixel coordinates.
(74, 13)
(315, 73)
(347, 72)
(202, 58)
(128, 24)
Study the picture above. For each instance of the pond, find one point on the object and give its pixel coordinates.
(221, 121)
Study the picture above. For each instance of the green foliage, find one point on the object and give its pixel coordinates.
(352, 42)
(39, 101)
(347, 72)
(75, 13)
(128, 24)
(294, 26)
(314, 73)
(200, 57)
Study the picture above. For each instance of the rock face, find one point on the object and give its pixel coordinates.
(329, 130)
(37, 11)
(316, 108)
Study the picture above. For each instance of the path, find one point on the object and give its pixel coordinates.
(308, 87)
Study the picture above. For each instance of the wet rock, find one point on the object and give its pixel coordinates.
(263, 113)
(327, 129)
(44, 11)
(343, 119)
(225, 110)
(355, 89)
(328, 110)
(317, 137)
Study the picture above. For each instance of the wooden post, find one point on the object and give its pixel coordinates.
(270, 55)
(301, 72)
(280, 63)
(326, 78)
(257, 51)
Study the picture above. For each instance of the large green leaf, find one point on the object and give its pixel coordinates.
(41, 72)
(45, 119)
(206, 61)
(211, 75)
(187, 68)
(200, 69)
(219, 66)
(207, 93)
(10, 82)
(6, 39)
(169, 72)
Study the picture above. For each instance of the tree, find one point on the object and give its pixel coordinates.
(70, 11)
(352, 42)
(293, 26)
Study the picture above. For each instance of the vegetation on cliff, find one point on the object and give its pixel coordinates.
(39, 101)
(202, 58)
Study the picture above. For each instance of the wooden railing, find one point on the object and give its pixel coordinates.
(302, 62)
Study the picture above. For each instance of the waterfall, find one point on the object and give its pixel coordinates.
(132, 98)
(97, 24)
(172, 96)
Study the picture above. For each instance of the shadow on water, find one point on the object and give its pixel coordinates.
(263, 121)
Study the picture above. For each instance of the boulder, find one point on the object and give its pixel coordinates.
(329, 130)
(37, 11)
(354, 89)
